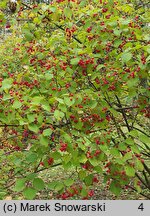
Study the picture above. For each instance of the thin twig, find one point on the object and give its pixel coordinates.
(146, 168)
(141, 131)
(143, 182)
(9, 125)
(146, 178)
(45, 168)
(148, 197)
(123, 113)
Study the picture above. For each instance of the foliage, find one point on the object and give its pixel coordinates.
(74, 92)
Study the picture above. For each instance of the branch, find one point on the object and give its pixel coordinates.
(62, 125)
(118, 127)
(126, 108)
(119, 131)
(141, 4)
(10, 184)
(9, 125)
(146, 178)
(91, 84)
(58, 26)
(148, 197)
(141, 131)
(143, 182)
(36, 168)
(134, 119)
(145, 154)
(42, 169)
(146, 168)
(123, 113)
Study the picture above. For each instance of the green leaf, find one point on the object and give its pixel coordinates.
(129, 141)
(82, 174)
(31, 117)
(98, 169)
(82, 158)
(122, 147)
(46, 106)
(29, 193)
(52, 8)
(126, 57)
(52, 185)
(127, 156)
(38, 184)
(133, 133)
(115, 152)
(2, 195)
(34, 128)
(67, 158)
(41, 56)
(93, 104)
(67, 166)
(125, 21)
(48, 76)
(31, 26)
(130, 171)
(139, 165)
(44, 140)
(88, 180)
(31, 157)
(135, 149)
(40, 119)
(137, 186)
(68, 12)
(69, 182)
(117, 42)
(81, 146)
(78, 125)
(69, 102)
(94, 161)
(100, 67)
(37, 100)
(75, 61)
(61, 101)
(132, 82)
(17, 104)
(56, 155)
(145, 139)
(62, 107)
(20, 185)
(84, 192)
(58, 115)
(6, 84)
(32, 176)
(115, 188)
(47, 132)
(36, 20)
(28, 35)
(117, 32)
(59, 186)
(119, 161)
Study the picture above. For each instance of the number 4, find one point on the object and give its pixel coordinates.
(141, 207)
